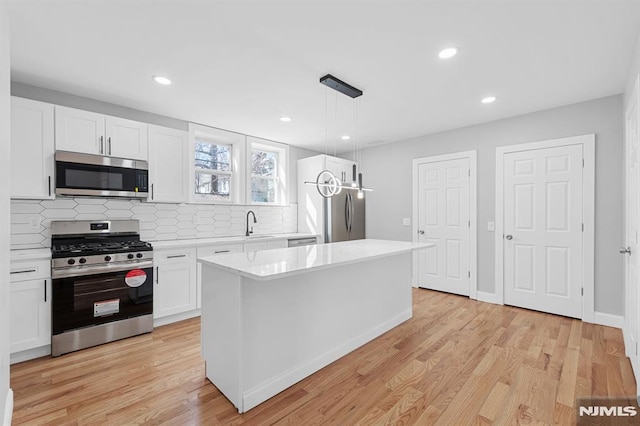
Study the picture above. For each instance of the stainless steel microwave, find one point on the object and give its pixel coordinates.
(95, 175)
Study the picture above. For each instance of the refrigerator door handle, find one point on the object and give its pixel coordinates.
(351, 211)
(346, 212)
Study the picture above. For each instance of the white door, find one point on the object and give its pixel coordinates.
(79, 131)
(32, 149)
(126, 138)
(542, 193)
(631, 232)
(167, 165)
(444, 220)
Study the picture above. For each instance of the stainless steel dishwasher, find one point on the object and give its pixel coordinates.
(305, 241)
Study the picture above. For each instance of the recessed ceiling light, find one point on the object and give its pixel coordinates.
(161, 80)
(346, 137)
(285, 119)
(447, 53)
(488, 99)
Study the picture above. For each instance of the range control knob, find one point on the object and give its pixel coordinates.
(71, 261)
(107, 258)
(130, 256)
(82, 260)
(139, 255)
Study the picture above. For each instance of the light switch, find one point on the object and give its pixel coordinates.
(406, 221)
(491, 226)
(34, 222)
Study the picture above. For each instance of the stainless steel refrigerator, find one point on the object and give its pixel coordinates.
(344, 217)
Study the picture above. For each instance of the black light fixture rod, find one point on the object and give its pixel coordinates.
(340, 86)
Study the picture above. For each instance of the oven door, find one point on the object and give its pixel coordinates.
(88, 300)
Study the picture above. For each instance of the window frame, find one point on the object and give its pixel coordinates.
(199, 133)
(282, 170)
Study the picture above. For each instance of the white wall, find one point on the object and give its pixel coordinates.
(634, 70)
(387, 169)
(4, 209)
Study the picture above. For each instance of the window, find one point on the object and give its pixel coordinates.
(213, 169)
(264, 176)
(216, 166)
(267, 171)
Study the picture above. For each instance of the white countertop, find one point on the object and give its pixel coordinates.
(276, 263)
(225, 240)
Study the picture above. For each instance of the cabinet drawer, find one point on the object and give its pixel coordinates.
(219, 249)
(175, 255)
(29, 270)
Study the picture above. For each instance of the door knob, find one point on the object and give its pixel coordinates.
(421, 232)
(623, 250)
(509, 237)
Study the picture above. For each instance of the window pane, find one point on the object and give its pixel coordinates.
(217, 185)
(213, 156)
(263, 163)
(263, 190)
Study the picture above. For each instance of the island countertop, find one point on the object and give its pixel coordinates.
(277, 263)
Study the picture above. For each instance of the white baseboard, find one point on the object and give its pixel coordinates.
(483, 296)
(8, 409)
(609, 320)
(261, 393)
(29, 354)
(158, 322)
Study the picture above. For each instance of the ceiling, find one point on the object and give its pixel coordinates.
(241, 65)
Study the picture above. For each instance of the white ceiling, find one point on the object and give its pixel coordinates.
(240, 65)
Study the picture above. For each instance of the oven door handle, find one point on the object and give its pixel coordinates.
(99, 269)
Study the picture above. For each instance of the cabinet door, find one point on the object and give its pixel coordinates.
(79, 131)
(341, 168)
(212, 251)
(168, 169)
(32, 149)
(126, 138)
(30, 314)
(175, 290)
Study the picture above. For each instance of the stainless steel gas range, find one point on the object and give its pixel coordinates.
(102, 276)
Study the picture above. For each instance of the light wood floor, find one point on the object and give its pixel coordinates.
(456, 361)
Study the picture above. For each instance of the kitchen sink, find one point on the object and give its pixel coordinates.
(256, 237)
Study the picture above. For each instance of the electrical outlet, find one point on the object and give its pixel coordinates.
(34, 223)
(406, 221)
(491, 226)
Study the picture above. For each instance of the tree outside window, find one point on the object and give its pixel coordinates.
(264, 176)
(213, 169)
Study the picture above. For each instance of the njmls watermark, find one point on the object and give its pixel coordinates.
(608, 411)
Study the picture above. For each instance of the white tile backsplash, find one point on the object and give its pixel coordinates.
(157, 221)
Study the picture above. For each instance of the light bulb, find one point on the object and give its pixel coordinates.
(360, 194)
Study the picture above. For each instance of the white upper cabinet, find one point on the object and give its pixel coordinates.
(92, 133)
(79, 131)
(126, 138)
(32, 149)
(168, 166)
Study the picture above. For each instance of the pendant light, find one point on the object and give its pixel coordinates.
(326, 182)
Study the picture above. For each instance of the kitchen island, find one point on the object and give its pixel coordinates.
(271, 318)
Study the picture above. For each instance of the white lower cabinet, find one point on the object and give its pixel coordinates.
(30, 308)
(210, 251)
(175, 282)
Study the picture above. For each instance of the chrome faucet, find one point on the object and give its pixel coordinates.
(249, 232)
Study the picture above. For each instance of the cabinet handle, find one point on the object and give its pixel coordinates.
(222, 251)
(109, 141)
(101, 144)
(152, 191)
(176, 255)
(157, 274)
(49, 186)
(45, 290)
(22, 272)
